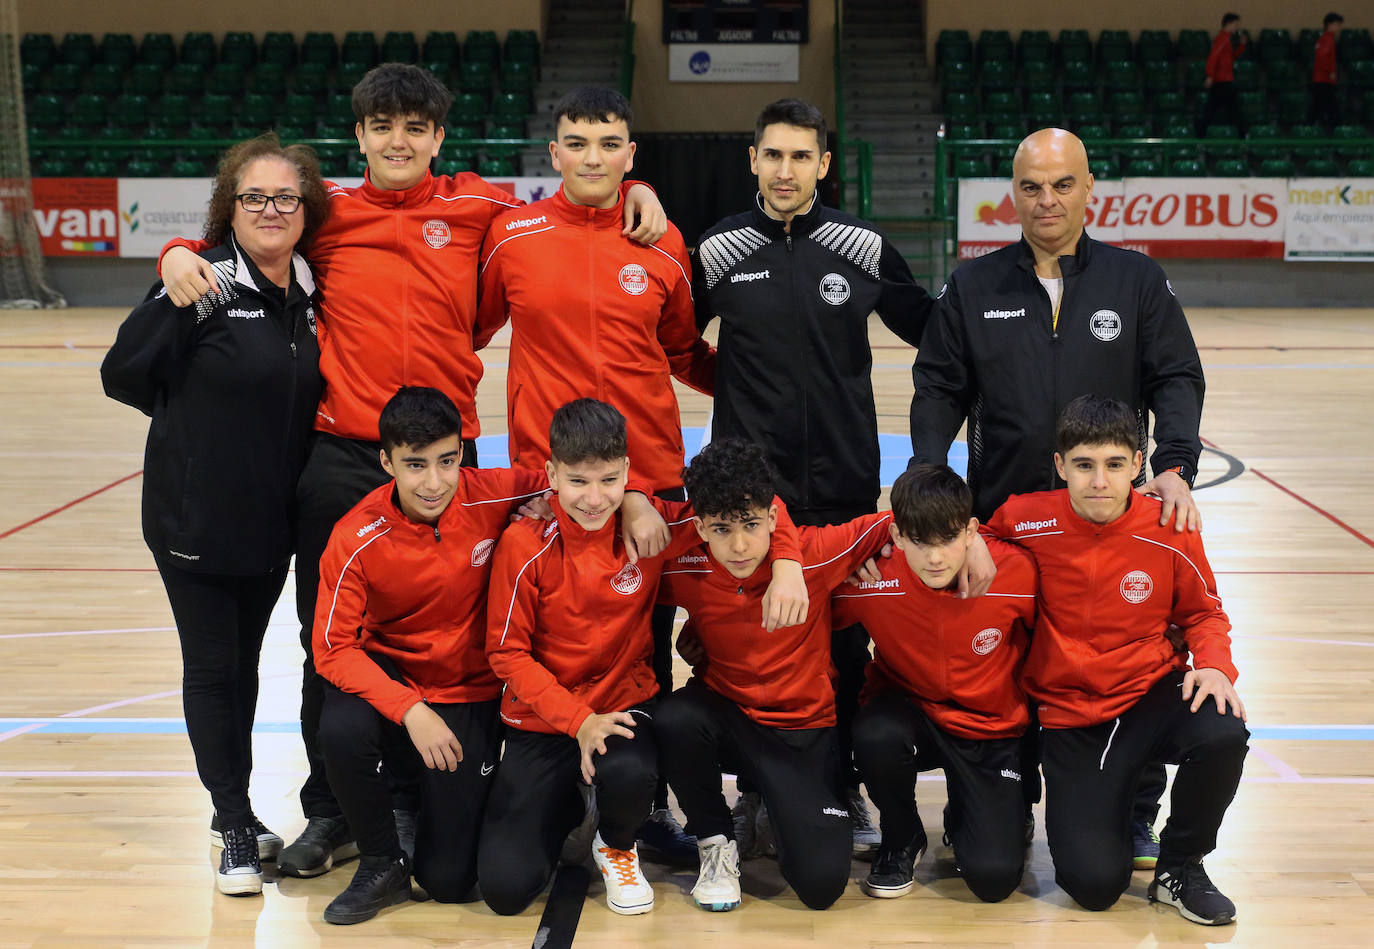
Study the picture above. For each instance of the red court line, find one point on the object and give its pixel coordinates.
(59, 510)
(54, 346)
(1299, 498)
(1285, 349)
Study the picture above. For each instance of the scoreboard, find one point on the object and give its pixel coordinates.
(735, 21)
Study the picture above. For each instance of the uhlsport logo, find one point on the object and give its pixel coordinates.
(987, 640)
(1003, 314)
(749, 277)
(834, 289)
(879, 584)
(634, 279)
(1106, 325)
(526, 222)
(482, 552)
(369, 528)
(1137, 586)
(1036, 525)
(628, 580)
(436, 233)
(691, 558)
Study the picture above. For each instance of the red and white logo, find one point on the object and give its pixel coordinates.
(628, 580)
(634, 279)
(1137, 586)
(482, 552)
(436, 233)
(987, 640)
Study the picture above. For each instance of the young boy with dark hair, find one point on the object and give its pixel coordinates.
(568, 631)
(760, 704)
(396, 267)
(596, 315)
(943, 689)
(1112, 692)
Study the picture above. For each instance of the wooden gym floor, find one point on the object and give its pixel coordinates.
(103, 823)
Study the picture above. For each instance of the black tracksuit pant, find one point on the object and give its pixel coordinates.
(796, 770)
(535, 802)
(894, 740)
(338, 473)
(354, 737)
(1091, 776)
(221, 621)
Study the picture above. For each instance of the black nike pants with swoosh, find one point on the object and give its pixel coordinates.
(356, 739)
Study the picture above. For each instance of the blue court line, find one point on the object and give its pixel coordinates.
(175, 726)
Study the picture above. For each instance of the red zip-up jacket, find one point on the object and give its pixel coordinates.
(595, 315)
(782, 678)
(1324, 62)
(1108, 593)
(397, 278)
(959, 659)
(568, 617)
(1221, 61)
(415, 593)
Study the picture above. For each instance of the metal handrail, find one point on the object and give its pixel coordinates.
(838, 64)
(627, 52)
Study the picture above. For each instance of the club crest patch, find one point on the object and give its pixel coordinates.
(1106, 325)
(634, 279)
(628, 580)
(482, 552)
(1136, 586)
(986, 641)
(834, 289)
(436, 233)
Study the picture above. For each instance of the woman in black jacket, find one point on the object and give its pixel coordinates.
(231, 384)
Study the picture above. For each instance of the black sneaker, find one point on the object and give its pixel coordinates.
(894, 870)
(324, 841)
(1185, 887)
(663, 840)
(240, 870)
(269, 844)
(379, 882)
(1144, 845)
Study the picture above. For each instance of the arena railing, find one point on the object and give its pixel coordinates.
(627, 51)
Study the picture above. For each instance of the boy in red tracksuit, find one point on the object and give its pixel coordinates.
(1111, 691)
(1325, 108)
(568, 631)
(944, 688)
(761, 703)
(595, 315)
(396, 268)
(1222, 103)
(400, 638)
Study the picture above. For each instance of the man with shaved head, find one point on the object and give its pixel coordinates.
(1021, 332)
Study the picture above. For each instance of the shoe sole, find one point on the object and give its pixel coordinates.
(718, 907)
(346, 852)
(268, 849)
(1168, 900)
(239, 884)
(887, 892)
(634, 909)
(348, 919)
(1144, 863)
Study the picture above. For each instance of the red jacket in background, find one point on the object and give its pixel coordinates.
(415, 593)
(397, 278)
(1221, 61)
(594, 315)
(568, 617)
(960, 659)
(782, 678)
(1107, 596)
(1324, 64)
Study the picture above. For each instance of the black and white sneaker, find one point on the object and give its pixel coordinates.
(240, 870)
(894, 870)
(269, 844)
(1186, 887)
(324, 842)
(379, 882)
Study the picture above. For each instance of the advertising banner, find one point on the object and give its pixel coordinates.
(153, 211)
(77, 217)
(1161, 217)
(1330, 219)
(734, 62)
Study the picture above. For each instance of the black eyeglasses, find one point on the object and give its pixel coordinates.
(257, 203)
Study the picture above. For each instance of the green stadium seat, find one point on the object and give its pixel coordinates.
(1275, 45)
(1113, 46)
(77, 49)
(1013, 131)
(517, 76)
(30, 78)
(1195, 76)
(1131, 152)
(118, 49)
(956, 74)
(216, 111)
(1154, 46)
(279, 48)
(1293, 108)
(1222, 135)
(259, 110)
(54, 167)
(1041, 101)
(1169, 105)
(1284, 76)
(99, 168)
(1103, 168)
(1144, 168)
(267, 78)
(199, 48)
(953, 46)
(1046, 119)
(158, 49)
(1357, 137)
(63, 79)
(960, 104)
(995, 46)
(38, 49)
(496, 166)
(441, 70)
(506, 130)
(1187, 168)
(1002, 100)
(1158, 77)
(1360, 168)
(481, 46)
(338, 110)
(475, 76)
(400, 47)
(1085, 106)
(359, 46)
(1037, 76)
(1093, 131)
(189, 168)
(299, 109)
(1178, 128)
(311, 78)
(1230, 168)
(1074, 46)
(962, 131)
(90, 109)
(441, 46)
(1247, 75)
(997, 74)
(172, 108)
(239, 48)
(1276, 168)
(226, 79)
(461, 133)
(1035, 46)
(1361, 75)
(468, 108)
(1307, 152)
(1321, 168)
(142, 168)
(1193, 44)
(318, 47)
(1367, 106)
(970, 168)
(145, 79)
(348, 75)
(1254, 106)
(104, 79)
(1256, 137)
(1079, 75)
(129, 112)
(1127, 106)
(521, 46)
(1353, 45)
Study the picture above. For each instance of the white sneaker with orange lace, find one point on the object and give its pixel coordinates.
(627, 892)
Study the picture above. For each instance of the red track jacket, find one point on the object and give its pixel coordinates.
(592, 314)
(1324, 61)
(782, 678)
(1107, 596)
(397, 277)
(960, 659)
(416, 594)
(1221, 61)
(568, 620)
